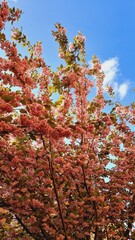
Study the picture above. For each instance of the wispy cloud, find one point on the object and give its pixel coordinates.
(123, 89)
(111, 70)
(14, 1)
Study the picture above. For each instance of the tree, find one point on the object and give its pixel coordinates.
(55, 182)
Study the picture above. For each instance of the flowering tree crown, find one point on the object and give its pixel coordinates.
(55, 182)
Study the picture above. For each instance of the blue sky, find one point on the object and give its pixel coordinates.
(109, 27)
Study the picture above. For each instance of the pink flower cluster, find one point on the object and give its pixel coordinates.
(4, 13)
(81, 38)
(37, 51)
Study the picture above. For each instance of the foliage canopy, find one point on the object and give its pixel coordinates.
(55, 182)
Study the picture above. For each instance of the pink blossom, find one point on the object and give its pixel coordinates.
(37, 50)
(81, 38)
(71, 47)
(61, 55)
(63, 30)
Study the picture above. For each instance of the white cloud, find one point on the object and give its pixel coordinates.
(110, 68)
(123, 89)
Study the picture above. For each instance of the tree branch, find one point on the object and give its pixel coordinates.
(55, 188)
